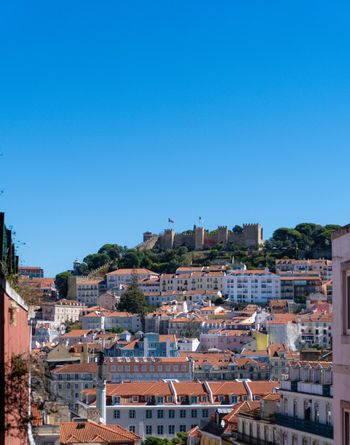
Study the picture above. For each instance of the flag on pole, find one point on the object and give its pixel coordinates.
(171, 221)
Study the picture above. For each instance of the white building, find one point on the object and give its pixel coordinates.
(194, 281)
(164, 408)
(252, 286)
(324, 267)
(62, 311)
(316, 329)
(188, 344)
(108, 320)
(305, 415)
(302, 416)
(124, 276)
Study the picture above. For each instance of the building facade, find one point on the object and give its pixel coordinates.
(341, 335)
(62, 311)
(252, 286)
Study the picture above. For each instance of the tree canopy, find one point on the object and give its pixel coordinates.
(133, 299)
(61, 281)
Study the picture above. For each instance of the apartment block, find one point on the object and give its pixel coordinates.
(84, 289)
(149, 345)
(62, 311)
(31, 271)
(252, 286)
(298, 286)
(124, 276)
(165, 408)
(321, 266)
(104, 319)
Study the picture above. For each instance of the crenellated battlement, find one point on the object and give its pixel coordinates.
(251, 235)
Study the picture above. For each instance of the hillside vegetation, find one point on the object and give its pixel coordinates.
(306, 240)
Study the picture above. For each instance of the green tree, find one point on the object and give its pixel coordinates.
(116, 330)
(151, 440)
(113, 251)
(96, 260)
(130, 260)
(72, 325)
(133, 299)
(61, 281)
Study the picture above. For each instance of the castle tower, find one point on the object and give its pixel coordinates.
(199, 238)
(253, 235)
(223, 235)
(168, 239)
(147, 236)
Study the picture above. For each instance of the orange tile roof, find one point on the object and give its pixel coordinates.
(76, 368)
(190, 388)
(263, 388)
(140, 271)
(76, 333)
(233, 387)
(91, 432)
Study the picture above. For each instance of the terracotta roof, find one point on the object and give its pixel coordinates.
(190, 388)
(77, 368)
(91, 432)
(76, 333)
(233, 387)
(132, 272)
(263, 388)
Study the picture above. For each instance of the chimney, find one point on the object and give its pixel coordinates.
(101, 388)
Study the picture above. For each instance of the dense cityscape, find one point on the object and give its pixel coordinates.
(214, 353)
(174, 222)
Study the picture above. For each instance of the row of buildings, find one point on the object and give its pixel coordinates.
(294, 279)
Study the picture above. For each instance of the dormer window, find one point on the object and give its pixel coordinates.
(160, 399)
(193, 399)
(116, 400)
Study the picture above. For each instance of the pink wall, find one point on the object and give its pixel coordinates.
(341, 346)
(15, 339)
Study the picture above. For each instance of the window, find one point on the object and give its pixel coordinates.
(346, 303)
(205, 413)
(193, 413)
(182, 428)
(149, 430)
(171, 429)
(160, 430)
(132, 428)
(182, 413)
(116, 414)
(160, 414)
(295, 408)
(132, 414)
(160, 399)
(346, 423)
(193, 399)
(171, 413)
(148, 414)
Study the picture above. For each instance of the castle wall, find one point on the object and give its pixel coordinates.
(251, 236)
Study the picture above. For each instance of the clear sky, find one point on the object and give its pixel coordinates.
(115, 115)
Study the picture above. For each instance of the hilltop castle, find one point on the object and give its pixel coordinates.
(251, 235)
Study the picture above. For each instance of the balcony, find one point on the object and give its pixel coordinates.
(307, 426)
(246, 439)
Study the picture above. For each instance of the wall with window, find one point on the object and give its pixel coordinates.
(341, 335)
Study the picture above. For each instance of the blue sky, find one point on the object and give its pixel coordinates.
(115, 116)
